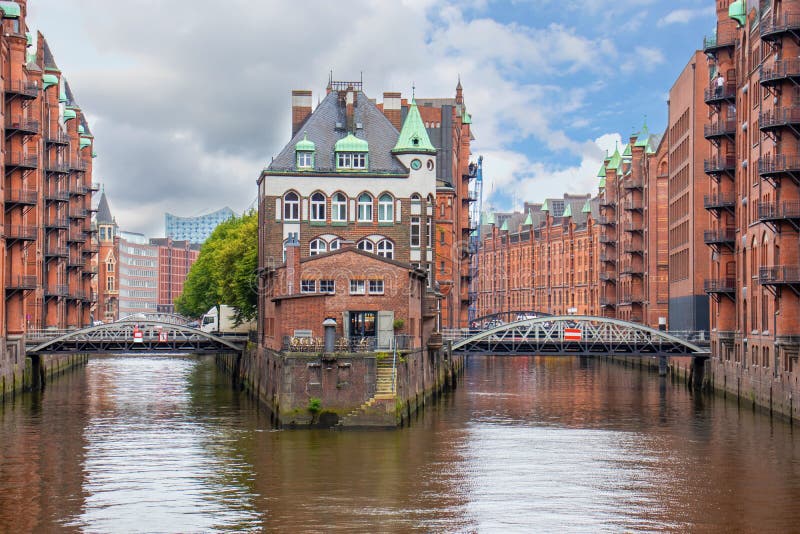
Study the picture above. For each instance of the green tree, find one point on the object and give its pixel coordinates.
(225, 270)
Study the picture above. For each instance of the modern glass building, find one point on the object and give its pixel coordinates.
(194, 229)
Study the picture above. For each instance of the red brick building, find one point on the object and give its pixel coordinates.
(175, 259)
(47, 190)
(107, 265)
(364, 292)
(378, 175)
(544, 259)
(754, 200)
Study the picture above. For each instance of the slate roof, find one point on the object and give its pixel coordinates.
(321, 128)
(86, 130)
(70, 97)
(49, 60)
(103, 211)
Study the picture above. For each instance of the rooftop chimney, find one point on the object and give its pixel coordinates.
(301, 109)
(391, 108)
(292, 265)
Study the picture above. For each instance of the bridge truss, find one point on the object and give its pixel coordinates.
(131, 336)
(575, 335)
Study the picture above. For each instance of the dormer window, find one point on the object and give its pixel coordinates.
(351, 160)
(352, 154)
(304, 150)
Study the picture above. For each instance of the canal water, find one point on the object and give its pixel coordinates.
(132, 444)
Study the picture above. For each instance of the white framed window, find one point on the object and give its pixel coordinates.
(376, 287)
(110, 283)
(366, 245)
(339, 208)
(357, 287)
(351, 160)
(429, 231)
(365, 207)
(305, 160)
(317, 246)
(110, 267)
(308, 286)
(291, 206)
(327, 286)
(385, 208)
(318, 207)
(335, 244)
(415, 229)
(386, 249)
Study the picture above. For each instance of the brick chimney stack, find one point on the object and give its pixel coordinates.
(391, 108)
(301, 109)
(350, 107)
(292, 265)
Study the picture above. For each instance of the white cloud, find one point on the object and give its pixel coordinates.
(684, 16)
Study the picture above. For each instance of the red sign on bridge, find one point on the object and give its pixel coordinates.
(572, 334)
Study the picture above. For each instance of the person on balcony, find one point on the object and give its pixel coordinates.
(720, 84)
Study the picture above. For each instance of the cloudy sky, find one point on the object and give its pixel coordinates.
(188, 99)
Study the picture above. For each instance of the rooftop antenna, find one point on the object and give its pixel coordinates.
(413, 91)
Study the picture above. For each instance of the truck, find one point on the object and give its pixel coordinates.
(222, 320)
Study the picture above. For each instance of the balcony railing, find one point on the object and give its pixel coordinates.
(89, 271)
(78, 213)
(21, 233)
(607, 258)
(788, 210)
(608, 301)
(713, 43)
(78, 165)
(75, 262)
(15, 160)
(56, 252)
(56, 222)
(28, 90)
(717, 165)
(724, 236)
(633, 248)
(60, 167)
(633, 226)
(95, 187)
(780, 117)
(317, 344)
(719, 285)
(607, 239)
(632, 269)
(61, 195)
(25, 197)
(723, 128)
(772, 166)
(607, 276)
(57, 138)
(56, 290)
(634, 205)
(716, 95)
(23, 125)
(779, 275)
(21, 282)
(605, 220)
(633, 183)
(608, 202)
(718, 201)
(631, 298)
(783, 69)
(76, 236)
(773, 27)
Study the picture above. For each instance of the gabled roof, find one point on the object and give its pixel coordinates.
(615, 161)
(326, 126)
(49, 60)
(86, 130)
(567, 211)
(413, 138)
(355, 250)
(103, 211)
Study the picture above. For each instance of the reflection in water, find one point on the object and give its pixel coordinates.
(550, 444)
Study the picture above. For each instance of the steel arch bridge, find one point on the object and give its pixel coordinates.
(576, 335)
(509, 316)
(156, 338)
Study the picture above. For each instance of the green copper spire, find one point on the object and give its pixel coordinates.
(545, 207)
(587, 207)
(490, 218)
(528, 220)
(602, 172)
(627, 153)
(504, 228)
(615, 160)
(413, 137)
(644, 137)
(603, 182)
(567, 211)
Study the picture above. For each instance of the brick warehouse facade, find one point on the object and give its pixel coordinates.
(48, 187)
(753, 201)
(371, 174)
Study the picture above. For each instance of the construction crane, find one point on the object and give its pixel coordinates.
(476, 206)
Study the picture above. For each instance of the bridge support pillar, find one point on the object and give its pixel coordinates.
(698, 372)
(663, 366)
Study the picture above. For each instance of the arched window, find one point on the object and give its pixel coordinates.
(385, 208)
(318, 207)
(415, 197)
(339, 208)
(317, 246)
(386, 249)
(291, 206)
(366, 245)
(334, 244)
(365, 207)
